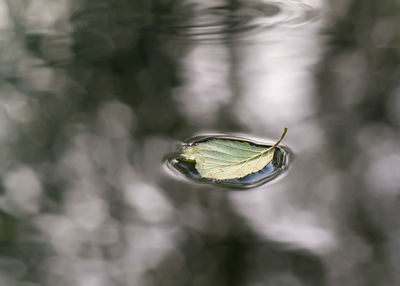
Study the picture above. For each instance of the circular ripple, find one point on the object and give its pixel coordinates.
(223, 22)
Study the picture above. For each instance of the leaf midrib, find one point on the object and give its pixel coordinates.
(259, 154)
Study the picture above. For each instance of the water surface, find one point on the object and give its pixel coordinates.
(94, 93)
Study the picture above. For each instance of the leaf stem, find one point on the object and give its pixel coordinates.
(266, 150)
(277, 142)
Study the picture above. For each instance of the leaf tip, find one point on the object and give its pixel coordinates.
(188, 154)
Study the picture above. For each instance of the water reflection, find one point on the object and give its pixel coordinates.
(94, 93)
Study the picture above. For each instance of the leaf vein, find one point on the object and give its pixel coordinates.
(234, 147)
(219, 159)
(210, 148)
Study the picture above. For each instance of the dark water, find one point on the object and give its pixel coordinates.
(94, 93)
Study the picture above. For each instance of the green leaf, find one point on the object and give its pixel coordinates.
(223, 159)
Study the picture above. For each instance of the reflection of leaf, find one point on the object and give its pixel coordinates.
(223, 159)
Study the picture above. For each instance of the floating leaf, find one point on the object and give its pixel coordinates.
(279, 164)
(224, 159)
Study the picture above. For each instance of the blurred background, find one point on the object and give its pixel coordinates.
(94, 93)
